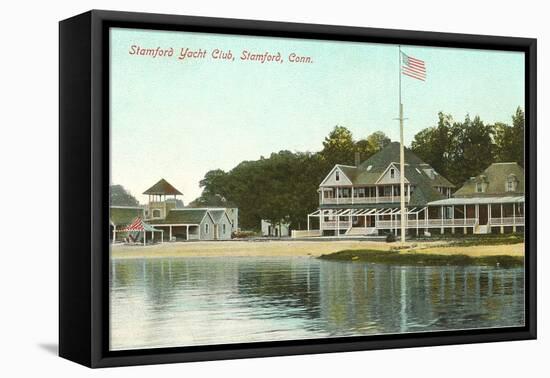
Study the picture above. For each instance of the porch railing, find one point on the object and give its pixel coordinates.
(361, 200)
(413, 223)
(333, 225)
(508, 221)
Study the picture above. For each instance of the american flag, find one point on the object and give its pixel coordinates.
(413, 67)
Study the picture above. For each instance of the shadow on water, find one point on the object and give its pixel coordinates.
(196, 301)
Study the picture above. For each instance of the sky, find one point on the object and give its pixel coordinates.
(177, 118)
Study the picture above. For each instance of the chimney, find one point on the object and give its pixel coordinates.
(357, 159)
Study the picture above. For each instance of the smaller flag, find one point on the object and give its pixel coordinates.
(413, 67)
(136, 225)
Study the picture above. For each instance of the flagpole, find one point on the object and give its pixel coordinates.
(401, 158)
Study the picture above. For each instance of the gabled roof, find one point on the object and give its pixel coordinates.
(348, 170)
(417, 172)
(495, 177)
(183, 216)
(371, 169)
(424, 190)
(162, 187)
(124, 215)
(368, 172)
(217, 215)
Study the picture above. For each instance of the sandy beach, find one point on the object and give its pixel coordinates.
(299, 248)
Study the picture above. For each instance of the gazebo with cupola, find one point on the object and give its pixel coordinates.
(162, 198)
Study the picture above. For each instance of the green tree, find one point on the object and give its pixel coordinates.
(518, 126)
(372, 144)
(119, 196)
(433, 144)
(338, 147)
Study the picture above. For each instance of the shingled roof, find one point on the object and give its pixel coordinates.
(162, 187)
(420, 174)
(182, 216)
(495, 177)
(217, 215)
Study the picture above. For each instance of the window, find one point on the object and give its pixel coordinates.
(479, 187)
(337, 176)
(206, 228)
(156, 213)
(392, 173)
(223, 229)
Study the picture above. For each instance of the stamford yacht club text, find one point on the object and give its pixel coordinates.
(187, 54)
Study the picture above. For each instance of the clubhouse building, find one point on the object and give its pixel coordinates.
(364, 199)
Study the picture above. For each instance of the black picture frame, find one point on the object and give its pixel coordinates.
(84, 181)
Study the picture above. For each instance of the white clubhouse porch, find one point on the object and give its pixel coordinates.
(479, 215)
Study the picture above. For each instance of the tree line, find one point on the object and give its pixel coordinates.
(460, 150)
(283, 187)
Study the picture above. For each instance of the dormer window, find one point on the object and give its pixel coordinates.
(392, 173)
(511, 183)
(337, 176)
(156, 213)
(479, 187)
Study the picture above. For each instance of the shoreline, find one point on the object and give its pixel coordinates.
(292, 248)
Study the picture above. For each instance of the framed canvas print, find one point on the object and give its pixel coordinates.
(234, 188)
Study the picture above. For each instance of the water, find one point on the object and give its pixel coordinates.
(216, 300)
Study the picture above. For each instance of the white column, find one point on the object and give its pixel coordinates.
(352, 194)
(114, 233)
(426, 216)
(308, 222)
(501, 219)
(170, 234)
(514, 217)
(442, 220)
(453, 219)
(337, 195)
(187, 233)
(376, 193)
(144, 237)
(337, 224)
(391, 192)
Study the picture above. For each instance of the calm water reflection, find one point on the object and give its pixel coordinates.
(211, 300)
